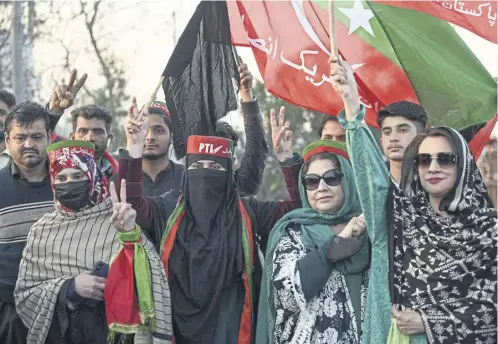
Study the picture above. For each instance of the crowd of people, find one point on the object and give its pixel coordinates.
(392, 243)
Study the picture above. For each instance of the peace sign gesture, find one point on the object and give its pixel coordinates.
(123, 215)
(136, 127)
(281, 135)
(63, 95)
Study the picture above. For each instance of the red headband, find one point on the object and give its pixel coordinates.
(210, 145)
(159, 105)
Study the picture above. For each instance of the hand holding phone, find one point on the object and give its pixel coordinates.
(101, 269)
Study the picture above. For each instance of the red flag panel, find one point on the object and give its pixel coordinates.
(291, 47)
(476, 16)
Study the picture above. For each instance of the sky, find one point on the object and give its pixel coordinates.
(141, 34)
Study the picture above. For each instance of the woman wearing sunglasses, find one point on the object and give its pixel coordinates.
(441, 234)
(444, 243)
(316, 267)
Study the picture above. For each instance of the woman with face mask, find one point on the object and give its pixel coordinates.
(65, 292)
(208, 238)
(316, 269)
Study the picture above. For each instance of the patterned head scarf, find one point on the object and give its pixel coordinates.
(78, 155)
(445, 267)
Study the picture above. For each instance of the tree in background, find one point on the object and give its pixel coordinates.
(112, 94)
(31, 25)
(106, 84)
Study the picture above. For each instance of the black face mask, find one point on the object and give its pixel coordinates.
(2, 135)
(73, 195)
(206, 191)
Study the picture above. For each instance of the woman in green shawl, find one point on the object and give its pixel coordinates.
(316, 268)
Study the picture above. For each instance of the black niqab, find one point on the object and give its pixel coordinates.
(207, 256)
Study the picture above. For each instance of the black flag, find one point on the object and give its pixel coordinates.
(201, 75)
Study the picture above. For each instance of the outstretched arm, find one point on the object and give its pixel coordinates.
(252, 166)
(372, 180)
(269, 212)
(372, 177)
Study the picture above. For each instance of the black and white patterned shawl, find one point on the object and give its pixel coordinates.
(62, 245)
(446, 268)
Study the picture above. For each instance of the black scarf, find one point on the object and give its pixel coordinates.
(445, 268)
(207, 256)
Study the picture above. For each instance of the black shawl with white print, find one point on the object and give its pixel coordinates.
(446, 268)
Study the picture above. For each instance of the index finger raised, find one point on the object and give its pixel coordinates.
(72, 78)
(123, 190)
(273, 121)
(114, 194)
(132, 110)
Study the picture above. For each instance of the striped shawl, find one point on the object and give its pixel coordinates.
(62, 245)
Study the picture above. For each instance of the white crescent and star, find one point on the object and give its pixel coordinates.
(308, 28)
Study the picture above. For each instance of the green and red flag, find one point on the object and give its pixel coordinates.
(476, 16)
(481, 137)
(399, 51)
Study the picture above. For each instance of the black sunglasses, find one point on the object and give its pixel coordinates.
(443, 159)
(331, 177)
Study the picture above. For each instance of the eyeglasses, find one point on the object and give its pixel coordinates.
(443, 159)
(331, 177)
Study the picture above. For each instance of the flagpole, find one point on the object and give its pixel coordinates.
(333, 42)
(151, 98)
(238, 60)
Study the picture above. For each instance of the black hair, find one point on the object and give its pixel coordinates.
(166, 118)
(322, 156)
(409, 167)
(91, 112)
(325, 120)
(432, 132)
(8, 98)
(223, 129)
(27, 113)
(408, 110)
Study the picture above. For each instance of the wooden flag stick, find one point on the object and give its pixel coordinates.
(333, 42)
(152, 97)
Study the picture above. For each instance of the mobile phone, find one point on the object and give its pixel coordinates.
(101, 269)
